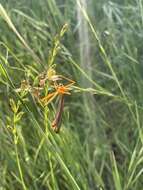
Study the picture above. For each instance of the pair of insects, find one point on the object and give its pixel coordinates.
(60, 90)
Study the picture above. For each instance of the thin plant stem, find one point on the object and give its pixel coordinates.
(19, 168)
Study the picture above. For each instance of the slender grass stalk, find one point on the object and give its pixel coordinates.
(101, 48)
(116, 174)
(5, 16)
(19, 168)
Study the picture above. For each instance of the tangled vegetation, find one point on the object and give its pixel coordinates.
(71, 95)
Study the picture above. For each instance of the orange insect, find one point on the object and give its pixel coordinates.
(60, 90)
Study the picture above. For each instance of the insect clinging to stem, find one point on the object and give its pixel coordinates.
(60, 90)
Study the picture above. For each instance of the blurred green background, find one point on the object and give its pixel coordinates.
(100, 145)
